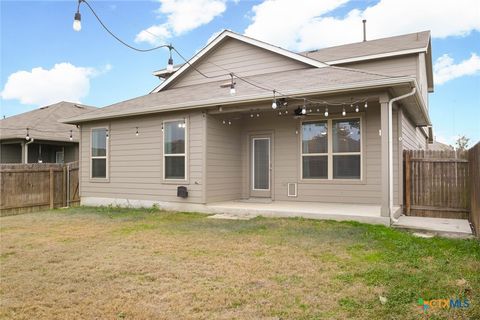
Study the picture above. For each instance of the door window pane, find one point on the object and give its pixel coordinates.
(315, 167)
(346, 135)
(175, 167)
(261, 164)
(314, 137)
(99, 142)
(99, 168)
(346, 167)
(174, 135)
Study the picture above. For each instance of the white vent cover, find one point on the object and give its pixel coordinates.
(292, 189)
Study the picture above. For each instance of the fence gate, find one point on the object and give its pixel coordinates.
(436, 184)
(32, 187)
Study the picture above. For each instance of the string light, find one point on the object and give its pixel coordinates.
(224, 122)
(229, 122)
(170, 59)
(343, 112)
(274, 103)
(258, 115)
(106, 134)
(136, 132)
(27, 137)
(251, 115)
(356, 108)
(77, 20)
(232, 85)
(304, 109)
(366, 105)
(326, 112)
(71, 135)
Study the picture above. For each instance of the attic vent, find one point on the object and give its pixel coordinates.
(292, 189)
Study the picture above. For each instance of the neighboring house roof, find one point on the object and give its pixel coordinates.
(43, 123)
(440, 146)
(297, 82)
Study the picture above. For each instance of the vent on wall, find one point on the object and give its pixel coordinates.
(292, 189)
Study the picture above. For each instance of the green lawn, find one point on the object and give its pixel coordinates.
(110, 263)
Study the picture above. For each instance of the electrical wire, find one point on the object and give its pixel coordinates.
(116, 37)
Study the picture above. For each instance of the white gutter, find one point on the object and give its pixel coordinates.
(26, 150)
(390, 152)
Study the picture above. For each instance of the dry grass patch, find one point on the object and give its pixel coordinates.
(146, 264)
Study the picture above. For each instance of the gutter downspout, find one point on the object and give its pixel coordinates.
(390, 152)
(26, 149)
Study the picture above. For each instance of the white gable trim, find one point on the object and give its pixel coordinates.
(377, 56)
(228, 33)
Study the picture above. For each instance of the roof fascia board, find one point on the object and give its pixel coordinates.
(367, 85)
(227, 33)
(378, 56)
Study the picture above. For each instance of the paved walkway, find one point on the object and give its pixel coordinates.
(452, 228)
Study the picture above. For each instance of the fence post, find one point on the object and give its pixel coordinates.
(64, 186)
(408, 183)
(52, 189)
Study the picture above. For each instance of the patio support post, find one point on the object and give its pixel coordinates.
(384, 147)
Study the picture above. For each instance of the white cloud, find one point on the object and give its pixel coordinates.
(182, 16)
(46, 86)
(445, 69)
(303, 25)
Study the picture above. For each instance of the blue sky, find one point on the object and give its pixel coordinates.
(39, 34)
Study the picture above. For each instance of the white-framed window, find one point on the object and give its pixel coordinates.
(99, 153)
(174, 150)
(331, 149)
(59, 157)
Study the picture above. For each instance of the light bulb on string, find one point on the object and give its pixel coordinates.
(232, 85)
(170, 60)
(71, 135)
(106, 134)
(326, 112)
(343, 112)
(274, 103)
(357, 108)
(304, 109)
(27, 137)
(366, 104)
(136, 132)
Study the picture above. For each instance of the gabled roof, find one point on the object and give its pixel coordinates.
(301, 82)
(379, 48)
(417, 42)
(43, 123)
(229, 34)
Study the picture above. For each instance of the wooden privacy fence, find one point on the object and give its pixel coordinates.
(474, 171)
(436, 184)
(30, 187)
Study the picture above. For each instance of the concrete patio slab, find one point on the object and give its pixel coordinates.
(451, 228)
(310, 210)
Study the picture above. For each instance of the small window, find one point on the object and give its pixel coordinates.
(59, 157)
(99, 153)
(315, 150)
(174, 150)
(346, 149)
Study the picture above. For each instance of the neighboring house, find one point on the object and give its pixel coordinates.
(192, 132)
(439, 146)
(49, 141)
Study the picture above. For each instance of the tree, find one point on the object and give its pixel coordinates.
(462, 143)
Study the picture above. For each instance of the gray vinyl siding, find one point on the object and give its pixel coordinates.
(136, 162)
(422, 77)
(413, 138)
(399, 66)
(238, 57)
(286, 162)
(223, 161)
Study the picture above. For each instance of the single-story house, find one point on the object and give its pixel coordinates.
(247, 122)
(38, 136)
